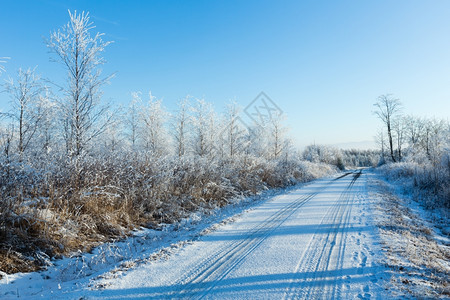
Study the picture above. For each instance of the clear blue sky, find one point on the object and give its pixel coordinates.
(323, 62)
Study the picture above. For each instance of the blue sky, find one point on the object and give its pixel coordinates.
(323, 62)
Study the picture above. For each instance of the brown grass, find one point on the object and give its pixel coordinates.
(420, 264)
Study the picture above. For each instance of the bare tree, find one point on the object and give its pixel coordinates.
(112, 137)
(46, 133)
(322, 153)
(153, 116)
(80, 54)
(399, 127)
(414, 129)
(203, 128)
(256, 141)
(434, 137)
(24, 93)
(380, 140)
(132, 120)
(388, 108)
(235, 134)
(6, 138)
(277, 135)
(180, 127)
(426, 141)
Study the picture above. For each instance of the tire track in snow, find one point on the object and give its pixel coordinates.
(325, 251)
(200, 280)
(340, 218)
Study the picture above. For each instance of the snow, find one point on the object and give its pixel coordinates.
(415, 249)
(314, 240)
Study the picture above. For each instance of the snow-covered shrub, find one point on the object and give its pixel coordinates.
(322, 154)
(339, 158)
(399, 170)
(360, 158)
(306, 171)
(429, 184)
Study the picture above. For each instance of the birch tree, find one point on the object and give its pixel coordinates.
(203, 128)
(24, 93)
(132, 120)
(234, 134)
(257, 141)
(414, 129)
(399, 128)
(6, 138)
(153, 116)
(112, 137)
(380, 140)
(387, 109)
(80, 53)
(180, 128)
(277, 134)
(46, 140)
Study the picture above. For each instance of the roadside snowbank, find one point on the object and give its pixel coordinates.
(417, 253)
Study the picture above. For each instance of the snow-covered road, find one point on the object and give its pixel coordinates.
(313, 242)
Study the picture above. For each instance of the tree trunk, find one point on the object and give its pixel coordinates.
(391, 146)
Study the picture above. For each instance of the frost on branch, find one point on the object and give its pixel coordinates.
(2, 62)
(81, 55)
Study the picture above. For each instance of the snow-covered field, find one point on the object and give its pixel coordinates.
(318, 240)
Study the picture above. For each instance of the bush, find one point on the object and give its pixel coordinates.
(429, 184)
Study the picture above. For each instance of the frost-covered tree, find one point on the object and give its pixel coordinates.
(154, 134)
(322, 153)
(203, 129)
(180, 126)
(235, 135)
(414, 130)
(277, 135)
(112, 137)
(81, 55)
(6, 139)
(387, 109)
(360, 158)
(380, 140)
(257, 140)
(431, 135)
(47, 136)
(437, 140)
(24, 93)
(132, 120)
(399, 128)
(2, 62)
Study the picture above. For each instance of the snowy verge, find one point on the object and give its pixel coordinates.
(416, 253)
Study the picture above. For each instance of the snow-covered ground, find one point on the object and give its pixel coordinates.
(415, 246)
(318, 240)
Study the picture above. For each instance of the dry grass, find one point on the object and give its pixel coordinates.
(13, 262)
(420, 263)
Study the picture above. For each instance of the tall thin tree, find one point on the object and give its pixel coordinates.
(24, 93)
(81, 55)
(180, 128)
(388, 108)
